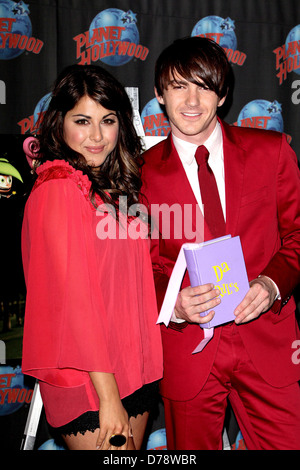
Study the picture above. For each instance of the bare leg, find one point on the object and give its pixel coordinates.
(88, 440)
(138, 426)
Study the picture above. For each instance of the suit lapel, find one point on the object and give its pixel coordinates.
(234, 164)
(179, 187)
(180, 191)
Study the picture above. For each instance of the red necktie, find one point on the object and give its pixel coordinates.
(213, 213)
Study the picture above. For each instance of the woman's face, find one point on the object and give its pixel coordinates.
(91, 130)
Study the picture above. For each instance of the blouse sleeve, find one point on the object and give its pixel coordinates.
(66, 327)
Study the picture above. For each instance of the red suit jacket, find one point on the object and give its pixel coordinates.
(262, 188)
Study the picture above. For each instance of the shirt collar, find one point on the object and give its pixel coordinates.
(186, 150)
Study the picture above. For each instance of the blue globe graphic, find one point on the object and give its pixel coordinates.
(216, 24)
(22, 26)
(117, 18)
(41, 107)
(157, 440)
(11, 403)
(51, 445)
(239, 438)
(265, 109)
(294, 35)
(152, 108)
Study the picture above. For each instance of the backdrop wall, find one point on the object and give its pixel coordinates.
(38, 38)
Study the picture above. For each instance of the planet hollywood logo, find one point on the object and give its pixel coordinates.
(262, 114)
(157, 440)
(13, 392)
(221, 30)
(154, 120)
(32, 123)
(113, 38)
(16, 30)
(288, 55)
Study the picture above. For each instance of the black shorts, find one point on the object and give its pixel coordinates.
(142, 400)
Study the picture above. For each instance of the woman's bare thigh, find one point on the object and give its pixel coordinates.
(88, 440)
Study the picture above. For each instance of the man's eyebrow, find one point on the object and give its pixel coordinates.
(177, 82)
(184, 82)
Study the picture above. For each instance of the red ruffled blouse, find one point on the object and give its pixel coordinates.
(90, 299)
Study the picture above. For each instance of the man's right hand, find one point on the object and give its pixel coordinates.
(192, 301)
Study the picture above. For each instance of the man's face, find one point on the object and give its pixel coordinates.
(191, 109)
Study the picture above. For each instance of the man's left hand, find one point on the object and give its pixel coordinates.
(259, 299)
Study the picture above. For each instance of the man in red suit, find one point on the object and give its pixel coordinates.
(253, 361)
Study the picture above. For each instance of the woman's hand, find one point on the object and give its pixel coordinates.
(113, 418)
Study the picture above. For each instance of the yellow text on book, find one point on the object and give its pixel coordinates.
(225, 288)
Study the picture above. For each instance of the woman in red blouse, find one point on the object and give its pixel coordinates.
(90, 334)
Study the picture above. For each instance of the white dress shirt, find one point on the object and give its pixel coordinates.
(186, 151)
(214, 145)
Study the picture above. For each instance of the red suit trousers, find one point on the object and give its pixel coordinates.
(268, 417)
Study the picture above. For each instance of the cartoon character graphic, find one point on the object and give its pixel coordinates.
(31, 149)
(7, 172)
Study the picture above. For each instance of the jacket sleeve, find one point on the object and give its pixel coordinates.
(66, 325)
(284, 266)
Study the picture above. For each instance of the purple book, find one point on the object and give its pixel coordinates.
(221, 262)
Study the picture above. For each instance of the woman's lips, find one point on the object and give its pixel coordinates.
(95, 149)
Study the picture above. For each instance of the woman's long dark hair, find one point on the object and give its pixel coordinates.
(119, 174)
